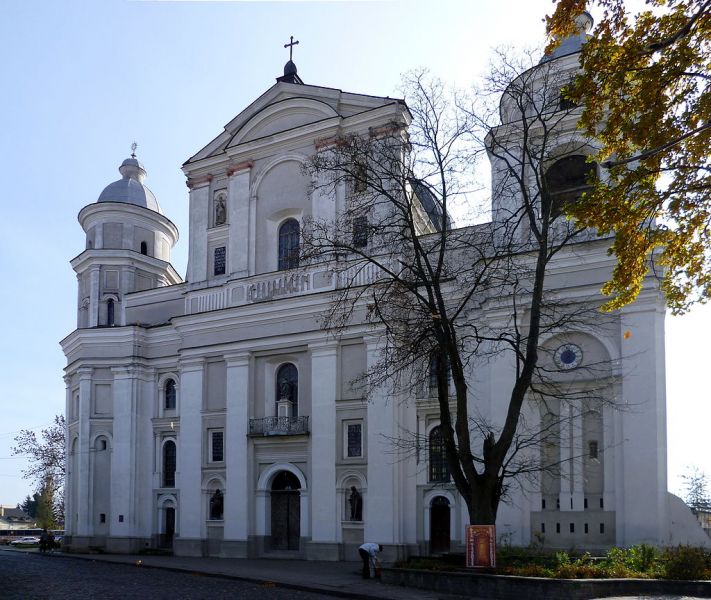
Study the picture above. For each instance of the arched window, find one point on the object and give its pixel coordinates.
(567, 179)
(287, 390)
(216, 506)
(289, 244)
(169, 463)
(436, 359)
(144, 248)
(110, 313)
(170, 395)
(439, 469)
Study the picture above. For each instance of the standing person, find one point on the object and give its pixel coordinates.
(43, 542)
(367, 553)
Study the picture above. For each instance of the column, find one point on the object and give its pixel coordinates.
(238, 203)
(82, 500)
(379, 511)
(189, 472)
(122, 453)
(239, 490)
(324, 377)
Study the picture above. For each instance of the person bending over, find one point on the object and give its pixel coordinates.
(367, 554)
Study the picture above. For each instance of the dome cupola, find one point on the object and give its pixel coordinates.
(130, 189)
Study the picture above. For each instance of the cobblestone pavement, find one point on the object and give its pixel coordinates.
(30, 576)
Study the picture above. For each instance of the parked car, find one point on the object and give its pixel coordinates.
(26, 541)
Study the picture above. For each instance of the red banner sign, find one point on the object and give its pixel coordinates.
(481, 546)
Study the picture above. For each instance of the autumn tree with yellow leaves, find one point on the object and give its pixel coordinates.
(644, 87)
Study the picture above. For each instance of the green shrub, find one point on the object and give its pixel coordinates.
(687, 562)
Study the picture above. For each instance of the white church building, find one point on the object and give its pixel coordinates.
(214, 416)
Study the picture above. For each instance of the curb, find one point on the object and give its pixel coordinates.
(256, 580)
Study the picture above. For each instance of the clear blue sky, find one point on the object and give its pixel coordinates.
(82, 80)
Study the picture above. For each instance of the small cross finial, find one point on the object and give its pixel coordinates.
(133, 149)
(291, 45)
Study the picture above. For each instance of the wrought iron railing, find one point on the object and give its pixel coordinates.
(279, 426)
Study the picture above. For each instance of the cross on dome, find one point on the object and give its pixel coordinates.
(290, 46)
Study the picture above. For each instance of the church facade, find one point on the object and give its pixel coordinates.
(214, 415)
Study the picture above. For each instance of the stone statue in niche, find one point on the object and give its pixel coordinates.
(284, 389)
(220, 210)
(216, 505)
(356, 502)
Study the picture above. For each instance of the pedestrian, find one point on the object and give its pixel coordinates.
(50, 541)
(43, 542)
(367, 554)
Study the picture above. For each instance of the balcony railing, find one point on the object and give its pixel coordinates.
(279, 426)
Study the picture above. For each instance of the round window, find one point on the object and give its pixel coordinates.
(568, 356)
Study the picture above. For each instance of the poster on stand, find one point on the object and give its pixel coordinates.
(481, 546)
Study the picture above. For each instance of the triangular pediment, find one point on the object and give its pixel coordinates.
(287, 106)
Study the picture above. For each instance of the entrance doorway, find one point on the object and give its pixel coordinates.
(166, 538)
(439, 525)
(286, 511)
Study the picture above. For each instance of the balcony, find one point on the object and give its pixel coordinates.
(275, 426)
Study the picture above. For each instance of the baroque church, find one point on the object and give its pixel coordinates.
(213, 416)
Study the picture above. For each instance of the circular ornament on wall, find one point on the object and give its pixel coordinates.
(568, 356)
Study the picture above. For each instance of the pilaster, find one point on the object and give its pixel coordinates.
(238, 494)
(324, 377)
(197, 249)
(239, 206)
(189, 471)
(82, 500)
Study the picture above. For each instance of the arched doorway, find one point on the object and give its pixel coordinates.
(439, 525)
(286, 511)
(167, 526)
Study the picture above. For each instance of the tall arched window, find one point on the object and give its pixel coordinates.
(144, 248)
(439, 469)
(289, 233)
(567, 179)
(169, 463)
(435, 360)
(110, 313)
(170, 395)
(287, 389)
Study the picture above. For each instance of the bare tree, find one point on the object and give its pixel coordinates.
(430, 288)
(47, 459)
(696, 486)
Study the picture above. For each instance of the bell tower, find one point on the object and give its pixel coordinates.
(128, 244)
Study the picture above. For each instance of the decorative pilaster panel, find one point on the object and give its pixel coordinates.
(239, 206)
(324, 378)
(189, 471)
(379, 512)
(83, 464)
(238, 491)
(199, 219)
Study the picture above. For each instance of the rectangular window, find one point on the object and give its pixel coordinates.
(602, 528)
(572, 528)
(360, 232)
(557, 527)
(102, 518)
(217, 446)
(353, 433)
(586, 527)
(543, 527)
(592, 449)
(220, 260)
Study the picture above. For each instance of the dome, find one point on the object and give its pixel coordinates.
(130, 189)
(575, 42)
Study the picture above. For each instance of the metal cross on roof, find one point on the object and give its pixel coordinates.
(133, 149)
(291, 45)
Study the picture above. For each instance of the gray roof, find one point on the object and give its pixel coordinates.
(575, 42)
(130, 189)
